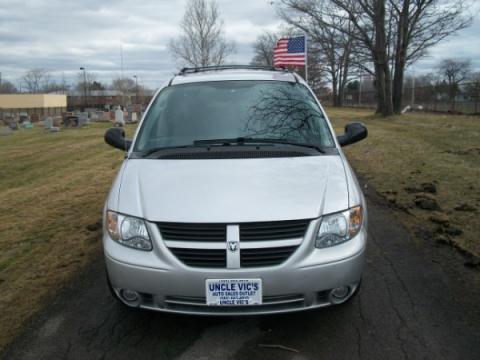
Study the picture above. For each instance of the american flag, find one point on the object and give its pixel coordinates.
(289, 51)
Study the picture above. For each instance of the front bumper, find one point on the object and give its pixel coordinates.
(302, 282)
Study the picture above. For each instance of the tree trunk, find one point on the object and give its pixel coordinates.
(388, 91)
(382, 71)
(401, 48)
(397, 88)
(380, 89)
(335, 91)
(340, 95)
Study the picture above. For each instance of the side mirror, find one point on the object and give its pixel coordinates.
(354, 132)
(116, 137)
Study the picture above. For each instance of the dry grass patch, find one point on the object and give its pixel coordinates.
(407, 151)
(52, 187)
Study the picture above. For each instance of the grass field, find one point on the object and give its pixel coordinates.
(403, 152)
(52, 190)
(53, 186)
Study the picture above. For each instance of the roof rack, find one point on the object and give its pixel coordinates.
(187, 70)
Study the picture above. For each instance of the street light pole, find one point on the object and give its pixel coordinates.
(136, 88)
(136, 94)
(84, 88)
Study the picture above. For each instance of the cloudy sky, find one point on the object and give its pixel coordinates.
(63, 35)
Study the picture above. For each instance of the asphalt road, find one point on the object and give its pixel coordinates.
(417, 301)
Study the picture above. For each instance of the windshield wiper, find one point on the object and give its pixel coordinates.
(250, 140)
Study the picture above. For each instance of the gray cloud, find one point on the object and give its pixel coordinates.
(62, 35)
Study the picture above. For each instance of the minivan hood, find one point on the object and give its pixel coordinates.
(233, 191)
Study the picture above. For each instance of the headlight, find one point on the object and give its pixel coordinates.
(128, 231)
(339, 227)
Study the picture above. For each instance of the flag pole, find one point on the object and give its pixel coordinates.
(306, 59)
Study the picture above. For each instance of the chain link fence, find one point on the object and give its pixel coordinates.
(463, 99)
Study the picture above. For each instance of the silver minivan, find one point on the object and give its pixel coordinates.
(235, 198)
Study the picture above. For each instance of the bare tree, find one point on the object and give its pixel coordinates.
(202, 42)
(263, 48)
(63, 85)
(392, 35)
(34, 78)
(419, 25)
(85, 83)
(7, 87)
(333, 47)
(454, 73)
(124, 85)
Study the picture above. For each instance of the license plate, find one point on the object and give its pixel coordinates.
(234, 292)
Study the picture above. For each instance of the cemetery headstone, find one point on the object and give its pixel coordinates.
(82, 119)
(48, 123)
(119, 121)
(57, 121)
(71, 121)
(13, 125)
(27, 124)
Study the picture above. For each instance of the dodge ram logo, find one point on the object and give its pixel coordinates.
(233, 246)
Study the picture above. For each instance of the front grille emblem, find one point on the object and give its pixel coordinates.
(233, 246)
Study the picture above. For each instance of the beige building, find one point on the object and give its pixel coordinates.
(35, 105)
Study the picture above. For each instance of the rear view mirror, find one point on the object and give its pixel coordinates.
(354, 132)
(116, 137)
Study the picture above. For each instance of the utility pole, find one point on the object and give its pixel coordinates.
(136, 88)
(84, 88)
(121, 75)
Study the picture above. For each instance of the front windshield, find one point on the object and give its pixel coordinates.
(182, 114)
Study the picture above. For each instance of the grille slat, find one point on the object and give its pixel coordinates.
(275, 224)
(264, 257)
(206, 252)
(272, 252)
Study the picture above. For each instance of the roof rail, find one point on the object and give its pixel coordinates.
(187, 70)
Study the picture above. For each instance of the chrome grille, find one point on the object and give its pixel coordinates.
(261, 243)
